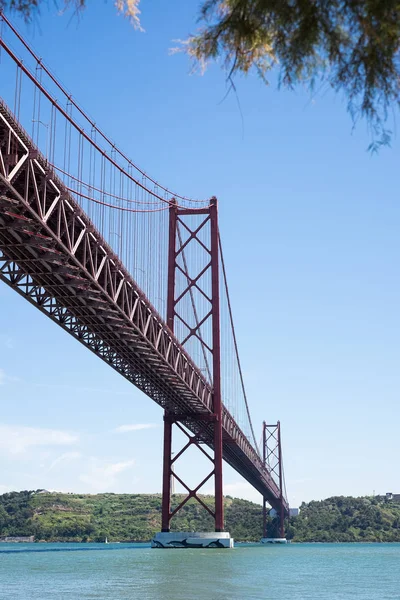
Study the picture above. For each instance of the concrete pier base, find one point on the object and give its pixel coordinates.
(184, 539)
(274, 541)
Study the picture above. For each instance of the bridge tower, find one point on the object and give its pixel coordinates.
(82, 238)
(188, 226)
(272, 458)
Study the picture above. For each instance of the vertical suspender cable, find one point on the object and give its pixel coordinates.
(236, 346)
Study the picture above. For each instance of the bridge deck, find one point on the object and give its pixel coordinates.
(52, 254)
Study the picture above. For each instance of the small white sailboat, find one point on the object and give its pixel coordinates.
(106, 541)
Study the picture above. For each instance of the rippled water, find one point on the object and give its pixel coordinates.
(122, 571)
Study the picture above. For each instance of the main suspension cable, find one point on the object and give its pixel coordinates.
(236, 346)
(83, 113)
(109, 194)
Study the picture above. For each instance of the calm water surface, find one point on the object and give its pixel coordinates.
(130, 571)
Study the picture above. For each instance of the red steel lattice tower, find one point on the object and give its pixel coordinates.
(272, 457)
(200, 227)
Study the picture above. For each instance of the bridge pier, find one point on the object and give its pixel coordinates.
(192, 539)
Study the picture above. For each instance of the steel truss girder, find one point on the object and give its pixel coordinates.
(52, 255)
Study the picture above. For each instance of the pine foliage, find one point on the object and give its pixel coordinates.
(350, 45)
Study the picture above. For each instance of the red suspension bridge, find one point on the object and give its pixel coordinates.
(132, 270)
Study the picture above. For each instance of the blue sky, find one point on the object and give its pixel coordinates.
(309, 222)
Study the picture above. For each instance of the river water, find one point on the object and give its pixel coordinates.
(134, 571)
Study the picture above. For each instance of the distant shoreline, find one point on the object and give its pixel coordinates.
(135, 518)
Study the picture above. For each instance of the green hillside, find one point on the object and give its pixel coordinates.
(125, 517)
(119, 517)
(347, 519)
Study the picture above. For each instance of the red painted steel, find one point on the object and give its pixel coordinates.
(272, 458)
(72, 101)
(281, 508)
(217, 400)
(52, 254)
(192, 493)
(176, 249)
(171, 264)
(264, 445)
(166, 493)
(167, 449)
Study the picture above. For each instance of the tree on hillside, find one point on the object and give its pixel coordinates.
(350, 45)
